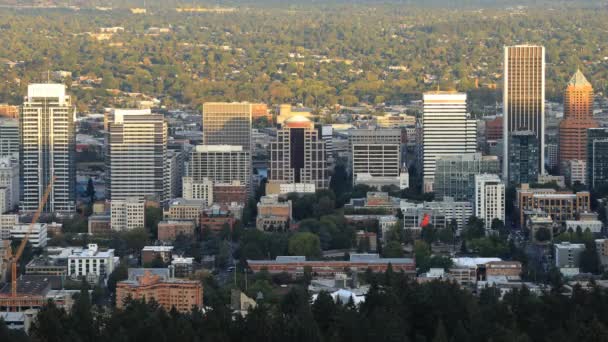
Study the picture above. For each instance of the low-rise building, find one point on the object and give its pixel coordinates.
(182, 267)
(226, 193)
(150, 253)
(561, 206)
(601, 246)
(567, 255)
(183, 209)
(127, 214)
(576, 171)
(183, 295)
(509, 269)
(273, 215)
(594, 226)
(168, 230)
(100, 225)
(540, 226)
(7, 222)
(198, 190)
(216, 218)
(37, 235)
(367, 241)
(91, 263)
(296, 265)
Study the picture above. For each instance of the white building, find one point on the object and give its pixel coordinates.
(91, 263)
(198, 190)
(376, 157)
(567, 255)
(489, 198)
(48, 147)
(127, 214)
(577, 171)
(594, 226)
(446, 130)
(220, 164)
(38, 235)
(9, 181)
(7, 222)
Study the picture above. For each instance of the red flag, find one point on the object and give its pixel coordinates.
(425, 220)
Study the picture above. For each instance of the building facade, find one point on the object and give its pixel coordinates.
(127, 214)
(298, 155)
(137, 152)
(273, 215)
(9, 138)
(227, 124)
(578, 117)
(522, 158)
(597, 157)
(455, 174)
(446, 130)
(220, 164)
(37, 237)
(489, 198)
(524, 99)
(376, 157)
(561, 206)
(92, 263)
(48, 142)
(170, 229)
(198, 190)
(9, 181)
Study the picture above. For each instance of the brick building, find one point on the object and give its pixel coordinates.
(561, 206)
(184, 295)
(168, 230)
(226, 193)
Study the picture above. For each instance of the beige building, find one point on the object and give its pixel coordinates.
(127, 214)
(182, 209)
(273, 215)
(220, 164)
(227, 124)
(197, 190)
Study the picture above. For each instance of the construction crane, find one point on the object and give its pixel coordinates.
(13, 259)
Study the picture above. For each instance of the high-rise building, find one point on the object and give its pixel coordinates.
(227, 124)
(9, 138)
(47, 148)
(455, 174)
(489, 198)
(524, 98)
(523, 157)
(137, 152)
(376, 157)
(220, 164)
(127, 214)
(551, 155)
(447, 130)
(597, 157)
(298, 155)
(576, 171)
(578, 117)
(9, 180)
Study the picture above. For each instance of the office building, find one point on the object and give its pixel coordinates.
(91, 263)
(220, 164)
(198, 190)
(522, 158)
(576, 171)
(561, 206)
(9, 182)
(446, 130)
(298, 155)
(174, 169)
(551, 156)
(182, 209)
(489, 198)
(455, 174)
(597, 157)
(9, 138)
(524, 100)
(228, 193)
(137, 152)
(567, 255)
(168, 292)
(438, 213)
(38, 235)
(227, 124)
(100, 225)
(151, 253)
(47, 149)
(217, 218)
(578, 117)
(7, 222)
(376, 157)
(127, 214)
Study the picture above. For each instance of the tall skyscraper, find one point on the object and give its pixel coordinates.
(227, 124)
(524, 97)
(597, 157)
(9, 138)
(523, 158)
(376, 157)
(446, 130)
(298, 155)
(137, 152)
(47, 148)
(578, 117)
(489, 198)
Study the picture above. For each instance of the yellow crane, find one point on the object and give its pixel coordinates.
(13, 259)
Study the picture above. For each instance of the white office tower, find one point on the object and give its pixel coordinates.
(446, 130)
(524, 97)
(127, 214)
(137, 152)
(220, 164)
(376, 156)
(489, 198)
(47, 148)
(9, 183)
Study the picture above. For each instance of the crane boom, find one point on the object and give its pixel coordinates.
(23, 243)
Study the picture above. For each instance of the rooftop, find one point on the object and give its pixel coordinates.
(157, 249)
(579, 80)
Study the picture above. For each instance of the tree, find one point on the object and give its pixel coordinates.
(590, 260)
(542, 234)
(152, 217)
(306, 244)
(90, 192)
(440, 333)
(474, 229)
(392, 249)
(121, 272)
